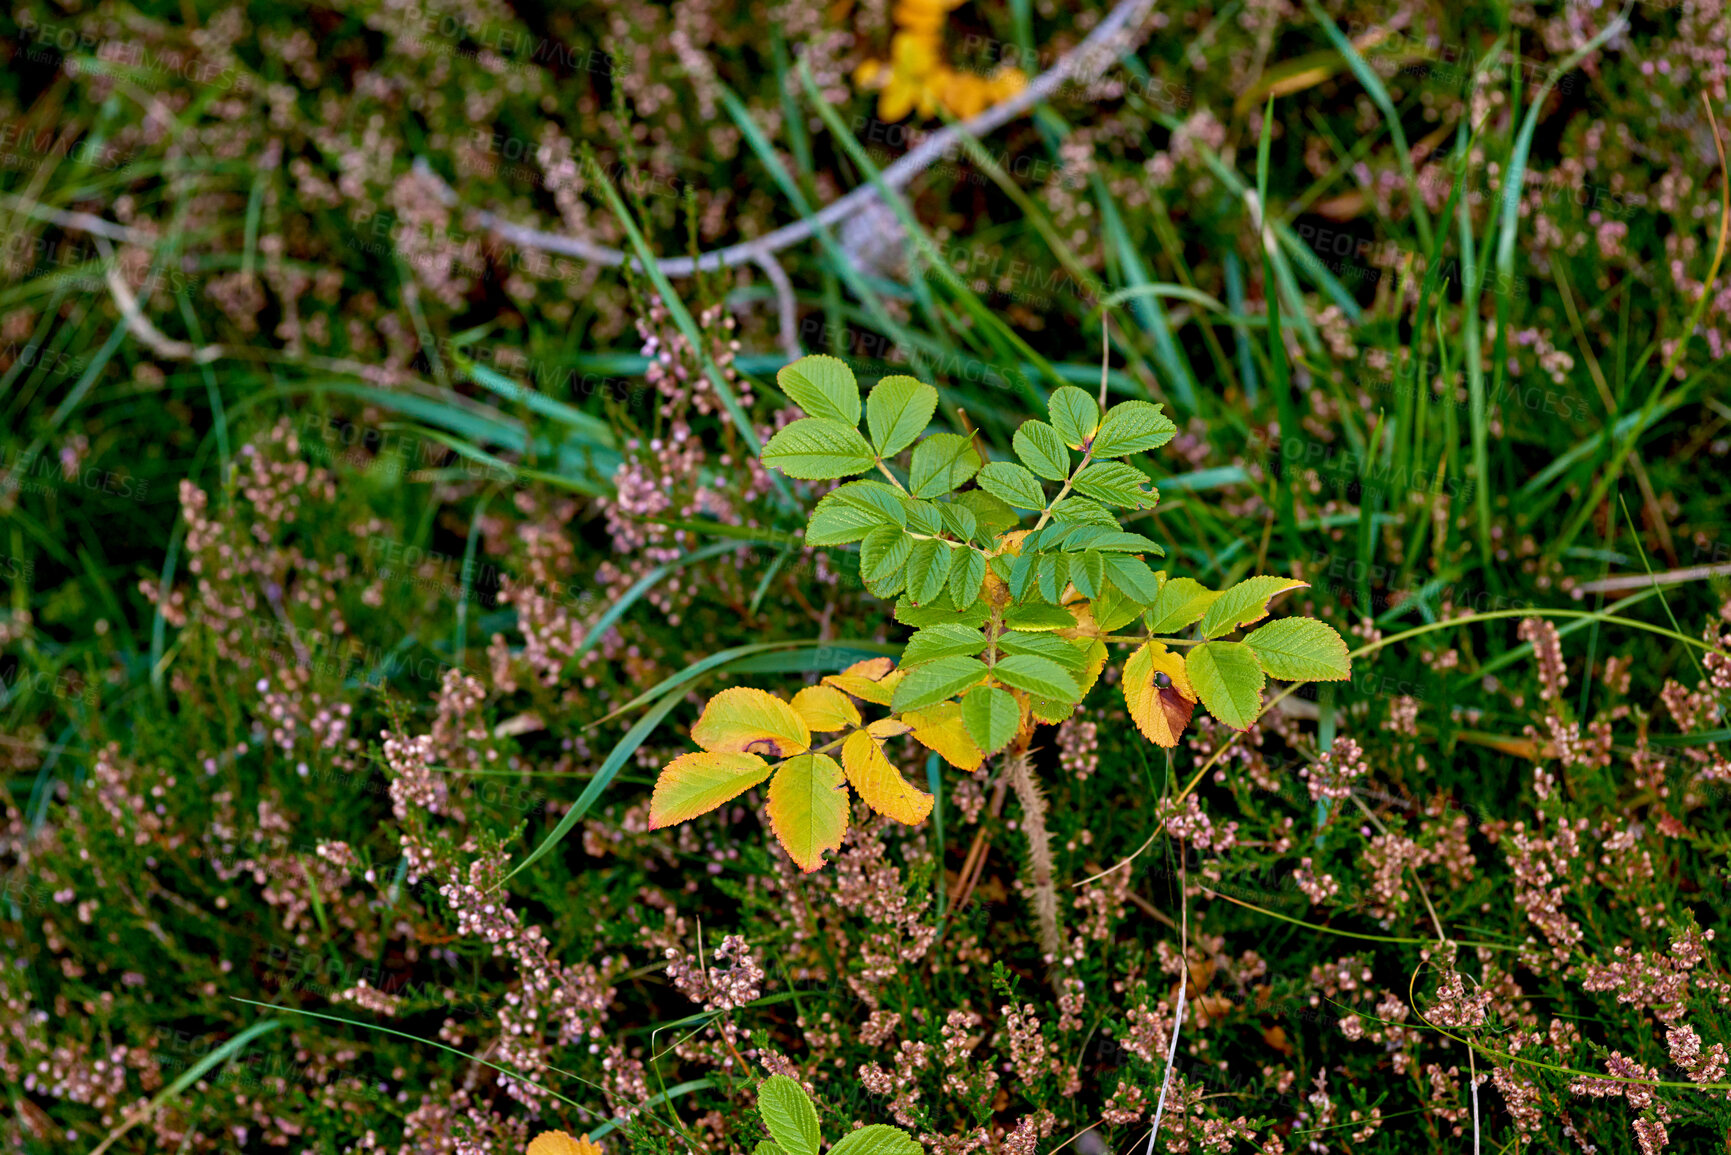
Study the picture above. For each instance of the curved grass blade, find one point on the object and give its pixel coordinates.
(621, 754)
(192, 1075)
(629, 598)
(1379, 96)
(414, 1039)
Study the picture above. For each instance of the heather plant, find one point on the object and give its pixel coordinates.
(1012, 623)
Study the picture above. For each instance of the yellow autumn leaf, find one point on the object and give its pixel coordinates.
(825, 708)
(808, 808)
(941, 728)
(694, 784)
(747, 721)
(866, 680)
(874, 668)
(559, 1143)
(887, 728)
(1160, 711)
(879, 783)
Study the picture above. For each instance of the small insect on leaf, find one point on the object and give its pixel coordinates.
(1158, 693)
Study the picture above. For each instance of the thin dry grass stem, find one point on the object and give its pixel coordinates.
(1120, 30)
(1183, 984)
(1473, 1082)
(138, 324)
(1436, 923)
(974, 864)
(787, 307)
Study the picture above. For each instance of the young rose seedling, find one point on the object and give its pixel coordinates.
(1012, 623)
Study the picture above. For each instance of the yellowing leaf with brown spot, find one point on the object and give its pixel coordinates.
(1160, 712)
(941, 728)
(808, 808)
(825, 708)
(879, 783)
(747, 721)
(694, 784)
(559, 1143)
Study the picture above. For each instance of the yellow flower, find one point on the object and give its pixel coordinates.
(559, 1143)
(921, 16)
(917, 79)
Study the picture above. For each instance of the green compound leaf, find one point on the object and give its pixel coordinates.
(818, 449)
(959, 520)
(1133, 427)
(1133, 579)
(849, 512)
(1039, 676)
(1301, 650)
(938, 614)
(967, 578)
(788, 1115)
(993, 515)
(991, 717)
(1113, 609)
(897, 412)
(1013, 484)
(925, 517)
(1039, 619)
(883, 559)
(1065, 653)
(1181, 603)
(1115, 483)
(942, 462)
(929, 569)
(1228, 679)
(933, 682)
(1084, 511)
(945, 640)
(1053, 573)
(823, 387)
(876, 1139)
(1245, 603)
(1042, 450)
(1074, 415)
(1088, 572)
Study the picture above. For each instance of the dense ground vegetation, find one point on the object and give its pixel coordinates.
(376, 524)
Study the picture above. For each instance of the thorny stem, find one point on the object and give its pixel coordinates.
(1018, 769)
